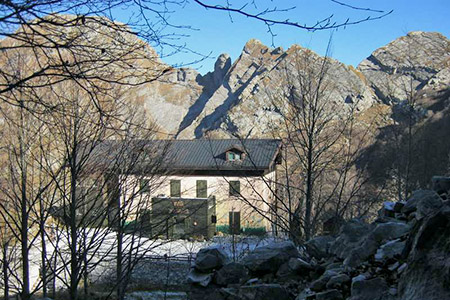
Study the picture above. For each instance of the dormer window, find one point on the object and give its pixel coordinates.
(232, 156)
(235, 153)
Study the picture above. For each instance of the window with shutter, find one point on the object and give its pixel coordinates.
(175, 188)
(202, 189)
(235, 188)
(144, 186)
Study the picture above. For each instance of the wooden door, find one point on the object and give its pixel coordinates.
(234, 222)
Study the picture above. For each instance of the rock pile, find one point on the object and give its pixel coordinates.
(403, 255)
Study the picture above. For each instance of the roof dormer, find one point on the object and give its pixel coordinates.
(235, 153)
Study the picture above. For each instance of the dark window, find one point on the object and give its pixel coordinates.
(235, 222)
(235, 188)
(202, 189)
(144, 185)
(230, 156)
(233, 156)
(175, 188)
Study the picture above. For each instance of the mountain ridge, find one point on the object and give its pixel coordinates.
(236, 97)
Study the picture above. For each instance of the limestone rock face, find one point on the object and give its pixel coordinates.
(407, 64)
(239, 97)
(257, 77)
(221, 67)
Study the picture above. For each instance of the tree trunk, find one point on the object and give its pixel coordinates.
(24, 214)
(309, 190)
(119, 259)
(5, 271)
(43, 256)
(74, 255)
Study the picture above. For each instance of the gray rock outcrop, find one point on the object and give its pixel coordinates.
(210, 258)
(269, 258)
(231, 273)
(405, 63)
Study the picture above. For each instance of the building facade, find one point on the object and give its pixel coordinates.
(237, 176)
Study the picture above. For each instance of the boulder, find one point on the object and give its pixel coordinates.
(298, 265)
(370, 244)
(373, 289)
(321, 283)
(349, 237)
(390, 250)
(360, 277)
(338, 281)
(196, 277)
(318, 247)
(388, 231)
(398, 206)
(361, 253)
(388, 210)
(231, 273)
(269, 258)
(441, 184)
(210, 258)
(423, 203)
(329, 295)
(264, 292)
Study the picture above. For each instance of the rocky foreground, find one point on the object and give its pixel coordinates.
(403, 255)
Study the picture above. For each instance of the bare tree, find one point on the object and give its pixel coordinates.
(318, 175)
(66, 100)
(23, 187)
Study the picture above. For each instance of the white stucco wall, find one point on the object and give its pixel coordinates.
(256, 194)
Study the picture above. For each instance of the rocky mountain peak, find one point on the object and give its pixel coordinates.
(221, 67)
(253, 45)
(406, 64)
(235, 96)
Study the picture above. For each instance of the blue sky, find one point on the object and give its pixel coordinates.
(217, 34)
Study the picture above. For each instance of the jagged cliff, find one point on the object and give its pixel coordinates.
(236, 97)
(243, 99)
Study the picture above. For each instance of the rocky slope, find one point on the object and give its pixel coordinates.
(418, 62)
(402, 255)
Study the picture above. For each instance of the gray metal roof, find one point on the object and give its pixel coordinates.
(209, 154)
(185, 155)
